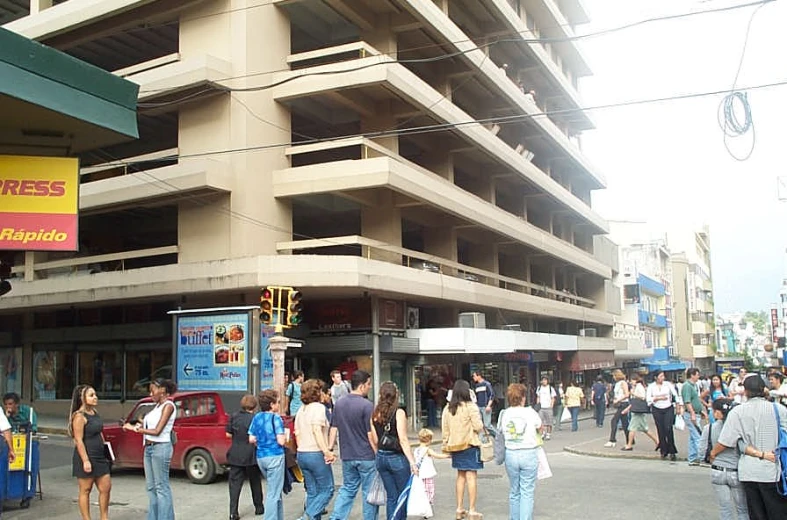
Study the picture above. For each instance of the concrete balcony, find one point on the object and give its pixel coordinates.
(652, 319)
(403, 177)
(702, 351)
(377, 78)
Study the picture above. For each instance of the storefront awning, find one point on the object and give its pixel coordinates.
(54, 104)
(591, 360)
(667, 366)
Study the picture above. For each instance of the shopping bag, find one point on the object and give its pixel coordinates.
(487, 446)
(500, 447)
(376, 495)
(565, 416)
(400, 511)
(418, 501)
(680, 424)
(544, 471)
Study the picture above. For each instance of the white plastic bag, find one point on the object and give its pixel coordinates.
(680, 424)
(565, 416)
(418, 502)
(544, 471)
(376, 495)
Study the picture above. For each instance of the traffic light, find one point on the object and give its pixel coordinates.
(266, 306)
(294, 308)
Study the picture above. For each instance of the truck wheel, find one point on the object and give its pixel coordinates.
(200, 467)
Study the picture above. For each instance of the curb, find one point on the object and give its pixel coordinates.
(613, 455)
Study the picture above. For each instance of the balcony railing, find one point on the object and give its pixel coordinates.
(83, 265)
(370, 248)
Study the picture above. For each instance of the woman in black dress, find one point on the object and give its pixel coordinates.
(90, 465)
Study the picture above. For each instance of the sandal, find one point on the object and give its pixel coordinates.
(627, 448)
(461, 513)
(475, 515)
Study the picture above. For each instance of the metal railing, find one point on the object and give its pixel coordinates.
(426, 262)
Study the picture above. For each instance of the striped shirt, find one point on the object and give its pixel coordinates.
(754, 423)
(727, 458)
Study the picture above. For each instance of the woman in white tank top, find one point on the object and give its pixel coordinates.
(156, 431)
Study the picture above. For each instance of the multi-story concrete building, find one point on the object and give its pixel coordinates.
(646, 286)
(373, 153)
(694, 317)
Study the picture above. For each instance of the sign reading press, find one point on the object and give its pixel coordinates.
(39, 202)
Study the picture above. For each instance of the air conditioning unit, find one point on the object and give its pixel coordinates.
(413, 318)
(472, 320)
(588, 333)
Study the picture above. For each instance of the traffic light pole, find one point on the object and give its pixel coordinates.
(375, 347)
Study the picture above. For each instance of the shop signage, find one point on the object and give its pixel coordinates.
(213, 351)
(775, 325)
(266, 365)
(729, 366)
(353, 315)
(39, 197)
(517, 356)
(591, 360)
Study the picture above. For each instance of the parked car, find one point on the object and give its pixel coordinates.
(201, 449)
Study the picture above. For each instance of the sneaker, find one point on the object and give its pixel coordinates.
(547, 436)
(694, 463)
(609, 444)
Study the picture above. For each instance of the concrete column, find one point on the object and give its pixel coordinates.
(210, 229)
(384, 223)
(382, 37)
(441, 241)
(485, 256)
(441, 162)
(278, 346)
(36, 6)
(382, 120)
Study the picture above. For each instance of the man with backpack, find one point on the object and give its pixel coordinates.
(754, 428)
(292, 395)
(340, 388)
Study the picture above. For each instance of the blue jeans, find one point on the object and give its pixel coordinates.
(574, 410)
(729, 494)
(431, 413)
(394, 471)
(522, 469)
(486, 417)
(272, 469)
(156, 462)
(694, 436)
(318, 479)
(356, 473)
(600, 409)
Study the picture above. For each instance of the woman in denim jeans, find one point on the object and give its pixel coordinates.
(156, 430)
(520, 426)
(724, 471)
(394, 459)
(267, 432)
(314, 455)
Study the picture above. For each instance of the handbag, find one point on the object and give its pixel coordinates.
(376, 495)
(418, 500)
(709, 447)
(680, 424)
(487, 446)
(389, 441)
(544, 471)
(639, 405)
(500, 440)
(565, 416)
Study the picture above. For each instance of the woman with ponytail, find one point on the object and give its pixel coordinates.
(90, 465)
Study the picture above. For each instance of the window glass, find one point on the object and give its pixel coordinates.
(11, 370)
(144, 366)
(103, 371)
(195, 406)
(53, 374)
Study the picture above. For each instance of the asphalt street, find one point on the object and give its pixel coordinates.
(583, 487)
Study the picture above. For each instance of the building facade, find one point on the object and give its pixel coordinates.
(694, 316)
(375, 154)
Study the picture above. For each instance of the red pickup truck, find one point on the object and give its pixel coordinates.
(202, 445)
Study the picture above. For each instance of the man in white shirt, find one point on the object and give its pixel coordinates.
(736, 386)
(545, 398)
(5, 429)
(340, 388)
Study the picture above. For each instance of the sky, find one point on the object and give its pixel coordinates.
(666, 163)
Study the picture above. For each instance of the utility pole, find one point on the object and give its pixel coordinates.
(375, 346)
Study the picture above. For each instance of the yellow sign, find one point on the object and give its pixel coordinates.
(20, 450)
(39, 197)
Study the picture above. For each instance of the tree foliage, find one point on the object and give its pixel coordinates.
(757, 319)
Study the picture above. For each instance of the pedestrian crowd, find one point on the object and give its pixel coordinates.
(733, 426)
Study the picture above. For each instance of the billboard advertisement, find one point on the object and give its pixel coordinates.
(39, 203)
(213, 351)
(266, 365)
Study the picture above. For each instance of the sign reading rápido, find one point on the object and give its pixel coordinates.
(39, 202)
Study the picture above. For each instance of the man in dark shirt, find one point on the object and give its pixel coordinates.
(598, 395)
(485, 396)
(352, 422)
(19, 415)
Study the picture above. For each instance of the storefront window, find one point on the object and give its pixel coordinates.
(53, 374)
(144, 365)
(103, 371)
(11, 370)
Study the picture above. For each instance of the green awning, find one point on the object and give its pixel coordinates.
(50, 100)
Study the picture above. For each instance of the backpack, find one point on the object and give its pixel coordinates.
(781, 454)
